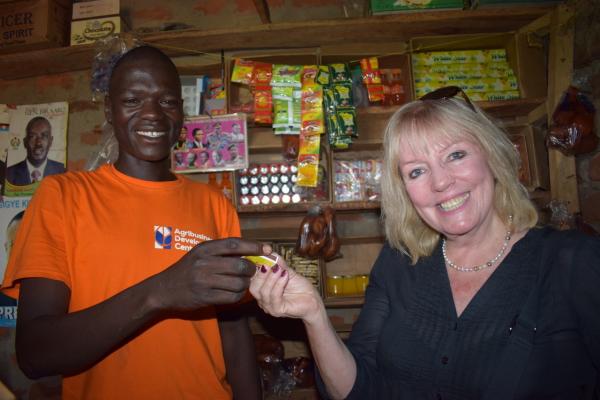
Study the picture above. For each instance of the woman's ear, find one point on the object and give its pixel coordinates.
(107, 109)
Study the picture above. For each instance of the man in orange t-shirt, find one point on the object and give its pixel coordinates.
(120, 272)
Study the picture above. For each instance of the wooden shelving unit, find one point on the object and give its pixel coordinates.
(322, 33)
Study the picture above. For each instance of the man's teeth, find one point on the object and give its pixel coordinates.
(151, 134)
(454, 203)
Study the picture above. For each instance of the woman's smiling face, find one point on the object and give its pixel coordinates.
(449, 183)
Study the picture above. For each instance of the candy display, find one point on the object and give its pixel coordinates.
(304, 266)
(484, 75)
(267, 184)
(357, 180)
(347, 285)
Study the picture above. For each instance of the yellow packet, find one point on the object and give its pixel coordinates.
(267, 261)
(242, 71)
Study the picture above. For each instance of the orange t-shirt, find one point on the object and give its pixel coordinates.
(101, 232)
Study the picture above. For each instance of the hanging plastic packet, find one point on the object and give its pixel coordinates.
(309, 75)
(329, 103)
(283, 93)
(262, 74)
(291, 147)
(323, 75)
(263, 105)
(287, 75)
(283, 113)
(242, 71)
(343, 95)
(572, 130)
(312, 97)
(287, 130)
(340, 74)
(312, 123)
(376, 93)
(347, 122)
(370, 71)
(308, 158)
(312, 109)
(287, 114)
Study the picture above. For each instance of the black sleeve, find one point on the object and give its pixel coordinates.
(363, 340)
(583, 289)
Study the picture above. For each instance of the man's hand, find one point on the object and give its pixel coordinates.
(212, 272)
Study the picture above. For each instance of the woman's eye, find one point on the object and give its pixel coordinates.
(457, 155)
(415, 173)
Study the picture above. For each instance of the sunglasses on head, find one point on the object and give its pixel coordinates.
(447, 92)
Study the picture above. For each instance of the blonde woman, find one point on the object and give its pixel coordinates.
(467, 300)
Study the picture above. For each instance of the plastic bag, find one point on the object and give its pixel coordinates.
(109, 149)
(107, 52)
(572, 130)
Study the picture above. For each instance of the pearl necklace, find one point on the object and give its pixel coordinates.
(484, 265)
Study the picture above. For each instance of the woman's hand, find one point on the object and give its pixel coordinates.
(282, 292)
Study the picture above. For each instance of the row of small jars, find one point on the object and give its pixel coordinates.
(347, 285)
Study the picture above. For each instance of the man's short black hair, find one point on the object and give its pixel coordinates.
(35, 120)
(142, 51)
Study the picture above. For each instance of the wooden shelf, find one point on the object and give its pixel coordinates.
(394, 27)
(511, 108)
(283, 208)
(344, 301)
(356, 205)
(269, 234)
(499, 108)
(303, 207)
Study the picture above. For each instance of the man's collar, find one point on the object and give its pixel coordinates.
(41, 168)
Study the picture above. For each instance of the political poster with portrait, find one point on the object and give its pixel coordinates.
(205, 144)
(4, 124)
(11, 214)
(37, 146)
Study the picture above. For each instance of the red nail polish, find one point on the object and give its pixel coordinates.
(263, 269)
(283, 273)
(275, 268)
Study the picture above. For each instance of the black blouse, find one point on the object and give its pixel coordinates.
(409, 343)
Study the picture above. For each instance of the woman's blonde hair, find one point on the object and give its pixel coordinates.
(422, 122)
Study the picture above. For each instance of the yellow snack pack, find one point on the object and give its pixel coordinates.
(267, 261)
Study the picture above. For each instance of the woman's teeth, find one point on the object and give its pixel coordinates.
(454, 203)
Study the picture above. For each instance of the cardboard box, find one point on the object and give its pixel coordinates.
(534, 172)
(527, 61)
(83, 9)
(385, 6)
(33, 24)
(508, 3)
(87, 31)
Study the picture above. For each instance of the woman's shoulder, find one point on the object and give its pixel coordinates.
(393, 259)
(568, 239)
(568, 254)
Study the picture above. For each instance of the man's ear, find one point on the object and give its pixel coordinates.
(107, 109)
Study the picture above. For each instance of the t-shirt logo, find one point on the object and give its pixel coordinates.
(162, 237)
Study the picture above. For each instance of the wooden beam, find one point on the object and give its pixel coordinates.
(389, 28)
(262, 8)
(563, 173)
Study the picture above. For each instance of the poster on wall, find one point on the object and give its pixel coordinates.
(37, 146)
(11, 215)
(216, 143)
(4, 124)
